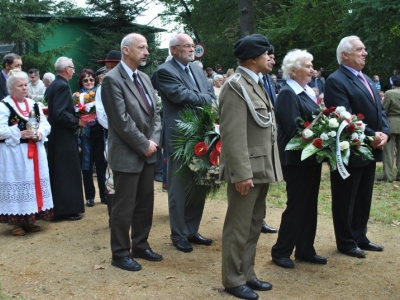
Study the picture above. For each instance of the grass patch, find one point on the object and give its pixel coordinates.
(385, 205)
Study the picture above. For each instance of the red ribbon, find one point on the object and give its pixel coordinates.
(33, 153)
(81, 107)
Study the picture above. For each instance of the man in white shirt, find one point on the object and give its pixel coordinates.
(36, 87)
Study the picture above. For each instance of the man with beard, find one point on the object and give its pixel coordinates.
(133, 137)
(180, 84)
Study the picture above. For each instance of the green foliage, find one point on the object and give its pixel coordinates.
(113, 20)
(195, 126)
(19, 25)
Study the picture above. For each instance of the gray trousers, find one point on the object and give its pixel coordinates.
(184, 214)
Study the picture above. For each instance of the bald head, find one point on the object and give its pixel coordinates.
(134, 50)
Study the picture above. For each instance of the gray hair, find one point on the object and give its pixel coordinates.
(49, 76)
(174, 41)
(218, 77)
(127, 41)
(294, 60)
(61, 63)
(13, 75)
(198, 63)
(345, 45)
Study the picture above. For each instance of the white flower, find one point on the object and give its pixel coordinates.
(362, 137)
(324, 137)
(307, 133)
(345, 115)
(354, 136)
(333, 123)
(344, 145)
(340, 109)
(332, 133)
(361, 125)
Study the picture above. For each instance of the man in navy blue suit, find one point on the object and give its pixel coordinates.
(351, 197)
(10, 61)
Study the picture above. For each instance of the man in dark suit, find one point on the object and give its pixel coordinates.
(270, 88)
(351, 197)
(249, 163)
(10, 61)
(133, 137)
(180, 84)
(63, 155)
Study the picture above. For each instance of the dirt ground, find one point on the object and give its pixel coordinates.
(71, 260)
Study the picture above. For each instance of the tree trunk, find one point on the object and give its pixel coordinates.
(246, 15)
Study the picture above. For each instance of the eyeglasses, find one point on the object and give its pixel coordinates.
(187, 46)
(86, 80)
(73, 68)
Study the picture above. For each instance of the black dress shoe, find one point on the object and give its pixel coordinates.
(127, 263)
(197, 238)
(371, 247)
(384, 179)
(355, 252)
(90, 202)
(258, 285)
(146, 254)
(183, 245)
(71, 217)
(284, 262)
(268, 229)
(242, 292)
(316, 259)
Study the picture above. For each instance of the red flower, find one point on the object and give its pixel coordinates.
(360, 116)
(306, 124)
(351, 128)
(200, 149)
(317, 143)
(214, 157)
(329, 110)
(357, 143)
(218, 146)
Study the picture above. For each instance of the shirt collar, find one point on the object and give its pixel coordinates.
(354, 71)
(251, 73)
(298, 89)
(128, 70)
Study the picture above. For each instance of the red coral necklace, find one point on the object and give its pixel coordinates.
(25, 112)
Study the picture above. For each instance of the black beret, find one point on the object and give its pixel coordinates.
(251, 46)
(270, 50)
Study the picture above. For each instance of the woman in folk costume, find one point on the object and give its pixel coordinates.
(25, 193)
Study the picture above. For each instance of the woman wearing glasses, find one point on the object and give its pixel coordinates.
(91, 147)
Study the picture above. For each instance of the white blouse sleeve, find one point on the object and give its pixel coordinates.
(11, 134)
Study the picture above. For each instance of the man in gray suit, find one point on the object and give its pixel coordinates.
(180, 84)
(133, 136)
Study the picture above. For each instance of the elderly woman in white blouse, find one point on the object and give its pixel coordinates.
(25, 193)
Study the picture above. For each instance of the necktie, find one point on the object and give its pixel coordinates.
(365, 82)
(267, 87)
(142, 95)
(188, 72)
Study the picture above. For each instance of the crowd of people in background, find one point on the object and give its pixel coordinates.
(47, 170)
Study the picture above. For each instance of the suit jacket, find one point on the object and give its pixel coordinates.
(3, 87)
(391, 104)
(248, 150)
(289, 107)
(318, 83)
(343, 88)
(130, 127)
(177, 91)
(273, 90)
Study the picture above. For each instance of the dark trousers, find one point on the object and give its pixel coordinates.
(97, 158)
(132, 208)
(351, 204)
(299, 220)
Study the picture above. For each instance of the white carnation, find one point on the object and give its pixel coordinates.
(324, 137)
(333, 123)
(345, 115)
(362, 137)
(307, 133)
(354, 136)
(340, 109)
(344, 145)
(332, 133)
